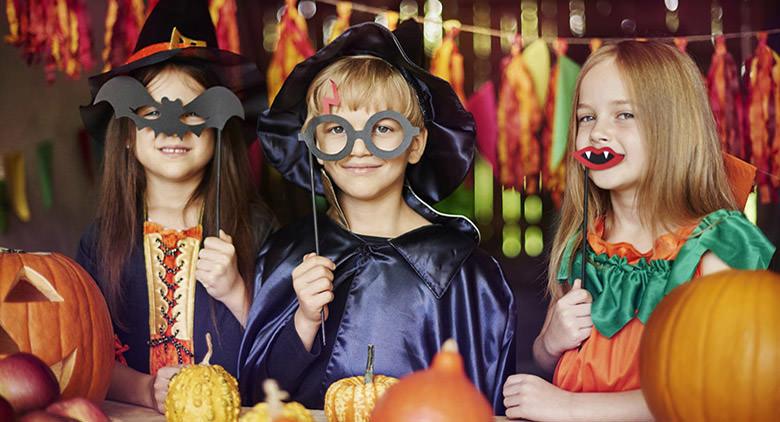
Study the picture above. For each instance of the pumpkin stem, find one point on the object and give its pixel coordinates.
(273, 398)
(10, 250)
(207, 358)
(450, 346)
(368, 377)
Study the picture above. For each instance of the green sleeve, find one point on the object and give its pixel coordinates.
(731, 237)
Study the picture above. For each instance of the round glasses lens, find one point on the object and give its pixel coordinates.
(387, 134)
(331, 137)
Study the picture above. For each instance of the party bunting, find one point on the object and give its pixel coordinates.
(447, 62)
(344, 12)
(223, 14)
(392, 19)
(482, 105)
(45, 154)
(124, 19)
(519, 120)
(293, 47)
(537, 60)
(52, 32)
(17, 184)
(763, 105)
(558, 110)
(726, 100)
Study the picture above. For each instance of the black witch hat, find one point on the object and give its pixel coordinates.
(180, 30)
(449, 152)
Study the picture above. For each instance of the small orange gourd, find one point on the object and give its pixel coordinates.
(203, 392)
(352, 399)
(441, 393)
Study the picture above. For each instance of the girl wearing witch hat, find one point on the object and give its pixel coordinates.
(178, 224)
(389, 139)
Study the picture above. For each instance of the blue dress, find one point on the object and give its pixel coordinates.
(405, 295)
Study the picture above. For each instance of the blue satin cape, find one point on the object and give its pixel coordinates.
(405, 295)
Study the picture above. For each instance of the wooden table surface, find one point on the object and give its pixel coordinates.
(117, 411)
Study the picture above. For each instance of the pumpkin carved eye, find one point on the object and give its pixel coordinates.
(28, 286)
(7, 344)
(31, 286)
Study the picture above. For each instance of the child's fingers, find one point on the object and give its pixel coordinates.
(321, 260)
(512, 383)
(304, 281)
(314, 274)
(317, 287)
(304, 266)
(581, 310)
(225, 237)
(585, 323)
(575, 296)
(217, 244)
(210, 266)
(214, 256)
(322, 299)
(167, 372)
(311, 261)
(577, 284)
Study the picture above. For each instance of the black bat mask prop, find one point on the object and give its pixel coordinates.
(213, 108)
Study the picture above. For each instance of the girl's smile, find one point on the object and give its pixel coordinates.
(173, 151)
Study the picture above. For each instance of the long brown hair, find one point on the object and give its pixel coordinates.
(123, 185)
(685, 178)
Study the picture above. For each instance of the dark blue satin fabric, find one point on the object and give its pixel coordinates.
(405, 295)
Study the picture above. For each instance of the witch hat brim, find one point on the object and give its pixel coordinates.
(449, 152)
(181, 30)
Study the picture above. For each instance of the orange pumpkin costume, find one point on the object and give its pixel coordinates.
(626, 285)
(612, 364)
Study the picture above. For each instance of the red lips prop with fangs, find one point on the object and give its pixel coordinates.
(598, 158)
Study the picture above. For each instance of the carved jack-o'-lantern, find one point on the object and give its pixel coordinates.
(51, 307)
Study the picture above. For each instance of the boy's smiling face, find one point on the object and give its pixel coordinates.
(363, 176)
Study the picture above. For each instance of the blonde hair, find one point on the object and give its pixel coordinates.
(685, 178)
(365, 81)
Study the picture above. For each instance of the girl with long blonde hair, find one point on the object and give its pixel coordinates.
(661, 210)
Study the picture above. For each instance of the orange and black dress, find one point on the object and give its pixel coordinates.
(626, 285)
(166, 312)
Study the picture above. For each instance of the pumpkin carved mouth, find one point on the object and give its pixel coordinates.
(30, 286)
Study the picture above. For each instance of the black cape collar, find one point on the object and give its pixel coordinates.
(436, 252)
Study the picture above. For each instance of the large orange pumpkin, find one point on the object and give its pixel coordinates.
(711, 350)
(441, 393)
(51, 307)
